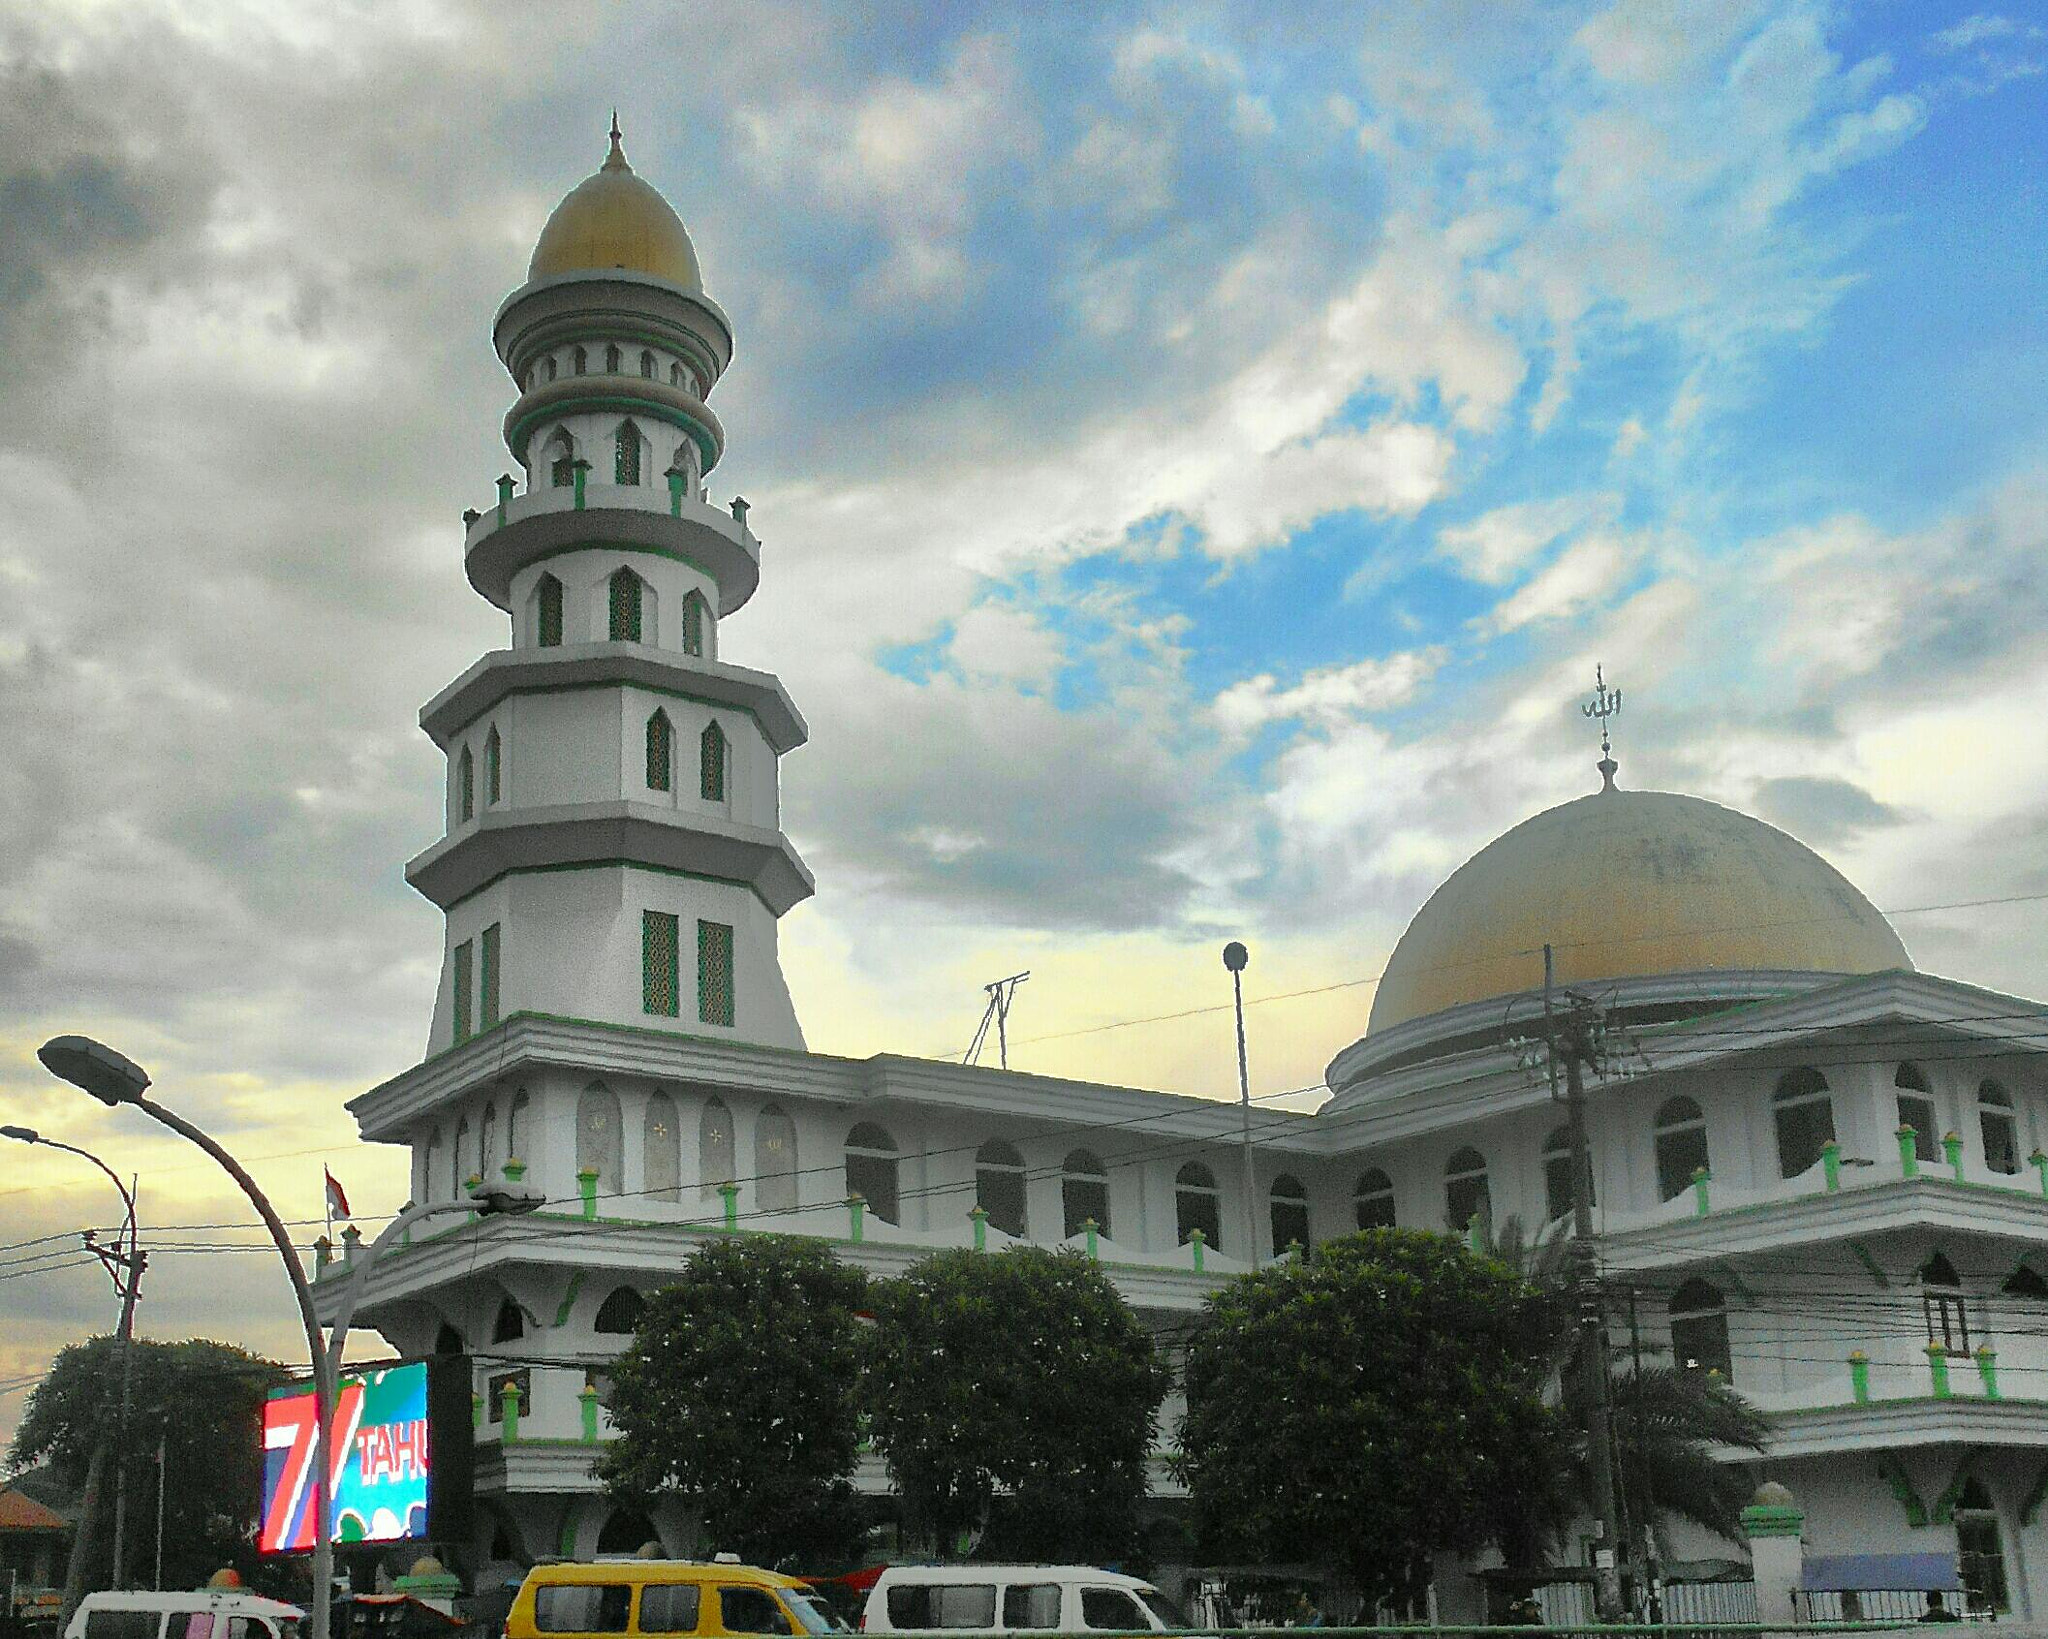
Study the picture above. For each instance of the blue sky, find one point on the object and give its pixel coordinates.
(1202, 453)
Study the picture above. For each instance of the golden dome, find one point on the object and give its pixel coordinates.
(615, 220)
(1629, 884)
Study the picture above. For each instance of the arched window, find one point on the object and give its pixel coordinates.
(487, 1142)
(774, 1161)
(2001, 1132)
(694, 621)
(597, 1137)
(465, 786)
(1289, 1206)
(1699, 1329)
(611, 360)
(661, 1149)
(561, 459)
(625, 597)
(1916, 1110)
(2025, 1282)
(515, 1127)
(579, 361)
(1806, 1119)
(551, 367)
(547, 600)
(447, 1340)
(715, 1156)
(626, 1532)
(871, 1164)
(1681, 1132)
(1557, 1175)
(626, 454)
(675, 375)
(1941, 1298)
(494, 768)
(620, 1312)
(1466, 1195)
(999, 1185)
(430, 1166)
(1372, 1200)
(661, 754)
(711, 763)
(647, 364)
(1198, 1204)
(1980, 1550)
(1084, 1194)
(510, 1326)
(457, 1177)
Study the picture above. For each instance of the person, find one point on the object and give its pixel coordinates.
(1936, 1610)
(1305, 1613)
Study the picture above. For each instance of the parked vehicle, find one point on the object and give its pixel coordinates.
(665, 1597)
(209, 1613)
(1014, 1599)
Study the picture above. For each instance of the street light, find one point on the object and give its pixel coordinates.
(1237, 959)
(132, 1261)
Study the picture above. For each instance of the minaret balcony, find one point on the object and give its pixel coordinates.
(523, 529)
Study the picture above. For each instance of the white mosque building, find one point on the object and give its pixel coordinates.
(1821, 1170)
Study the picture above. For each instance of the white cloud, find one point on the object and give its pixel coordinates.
(1001, 641)
(1498, 545)
(1327, 695)
(1584, 573)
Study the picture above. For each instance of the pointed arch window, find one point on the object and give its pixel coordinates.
(660, 753)
(598, 1147)
(774, 1161)
(695, 618)
(611, 360)
(1288, 1204)
(2025, 1282)
(627, 1531)
(715, 1150)
(1466, 1194)
(516, 1133)
(626, 454)
(1916, 1110)
(1557, 1175)
(711, 763)
(551, 367)
(494, 768)
(580, 361)
(661, 1162)
(626, 598)
(1980, 1550)
(1084, 1194)
(561, 459)
(1805, 1116)
(660, 963)
(1197, 1204)
(465, 786)
(646, 364)
(487, 1141)
(548, 612)
(872, 1170)
(999, 1186)
(1681, 1135)
(510, 1324)
(620, 1312)
(1372, 1199)
(675, 375)
(2001, 1132)
(714, 973)
(447, 1340)
(1941, 1299)
(458, 1160)
(430, 1166)
(1699, 1329)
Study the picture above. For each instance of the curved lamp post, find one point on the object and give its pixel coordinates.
(1236, 958)
(132, 1261)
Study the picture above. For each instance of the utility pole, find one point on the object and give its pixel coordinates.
(997, 1013)
(1237, 958)
(1573, 1042)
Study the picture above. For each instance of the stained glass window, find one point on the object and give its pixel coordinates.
(714, 973)
(660, 752)
(550, 601)
(487, 977)
(712, 763)
(465, 785)
(494, 760)
(626, 463)
(659, 957)
(625, 587)
(611, 361)
(693, 624)
(463, 952)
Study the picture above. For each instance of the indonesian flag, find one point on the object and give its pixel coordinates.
(337, 1202)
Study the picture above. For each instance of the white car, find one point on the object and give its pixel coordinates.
(1014, 1599)
(208, 1613)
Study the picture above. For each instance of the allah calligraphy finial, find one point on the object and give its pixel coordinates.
(1606, 704)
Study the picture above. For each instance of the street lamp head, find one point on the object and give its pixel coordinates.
(506, 1199)
(1236, 957)
(94, 1067)
(21, 1135)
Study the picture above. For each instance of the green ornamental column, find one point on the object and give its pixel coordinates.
(588, 1398)
(1197, 1240)
(586, 1186)
(1987, 1369)
(2040, 1161)
(729, 1193)
(351, 1244)
(1909, 1151)
(1953, 1143)
(1937, 1369)
(1859, 1377)
(582, 470)
(1701, 1178)
(1831, 1166)
(515, 1169)
(856, 1213)
(1774, 1523)
(677, 478)
(979, 1217)
(509, 1403)
(504, 496)
(1088, 1230)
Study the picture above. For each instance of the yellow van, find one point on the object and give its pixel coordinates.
(662, 1598)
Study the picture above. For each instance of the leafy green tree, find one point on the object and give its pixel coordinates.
(737, 1394)
(205, 1401)
(1366, 1405)
(1021, 1372)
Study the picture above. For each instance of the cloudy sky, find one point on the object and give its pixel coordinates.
(1201, 451)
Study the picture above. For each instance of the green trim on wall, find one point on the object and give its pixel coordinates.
(1945, 1504)
(610, 865)
(1870, 1264)
(622, 684)
(669, 552)
(625, 403)
(569, 1299)
(1893, 1472)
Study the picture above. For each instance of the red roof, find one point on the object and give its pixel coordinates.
(20, 1513)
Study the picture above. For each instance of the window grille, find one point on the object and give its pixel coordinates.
(626, 460)
(1941, 1297)
(463, 953)
(660, 752)
(487, 977)
(625, 596)
(563, 473)
(714, 973)
(550, 612)
(658, 961)
(711, 760)
(494, 758)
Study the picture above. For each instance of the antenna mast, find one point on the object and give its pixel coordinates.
(997, 1013)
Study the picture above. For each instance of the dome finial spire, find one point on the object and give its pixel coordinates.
(616, 159)
(1606, 704)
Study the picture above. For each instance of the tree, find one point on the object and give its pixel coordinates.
(737, 1395)
(1365, 1405)
(205, 1401)
(1021, 1372)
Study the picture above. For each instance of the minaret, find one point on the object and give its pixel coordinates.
(614, 850)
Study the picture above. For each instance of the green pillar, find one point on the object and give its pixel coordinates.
(1475, 1237)
(582, 471)
(470, 1185)
(980, 1219)
(856, 1214)
(586, 1185)
(1089, 1231)
(510, 1405)
(1953, 1143)
(1196, 1239)
(729, 1193)
(1701, 1178)
(589, 1399)
(1937, 1369)
(1859, 1377)
(1909, 1151)
(677, 477)
(504, 496)
(515, 1169)
(1987, 1369)
(1831, 1166)
(476, 1411)
(2041, 1166)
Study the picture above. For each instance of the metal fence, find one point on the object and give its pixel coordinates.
(1570, 1604)
(1880, 1605)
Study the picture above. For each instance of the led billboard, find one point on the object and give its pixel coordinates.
(382, 1460)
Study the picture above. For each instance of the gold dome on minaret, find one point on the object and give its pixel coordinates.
(615, 220)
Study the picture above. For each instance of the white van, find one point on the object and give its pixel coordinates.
(1014, 1599)
(209, 1613)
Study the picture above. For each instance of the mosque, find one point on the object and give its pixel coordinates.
(1816, 1169)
